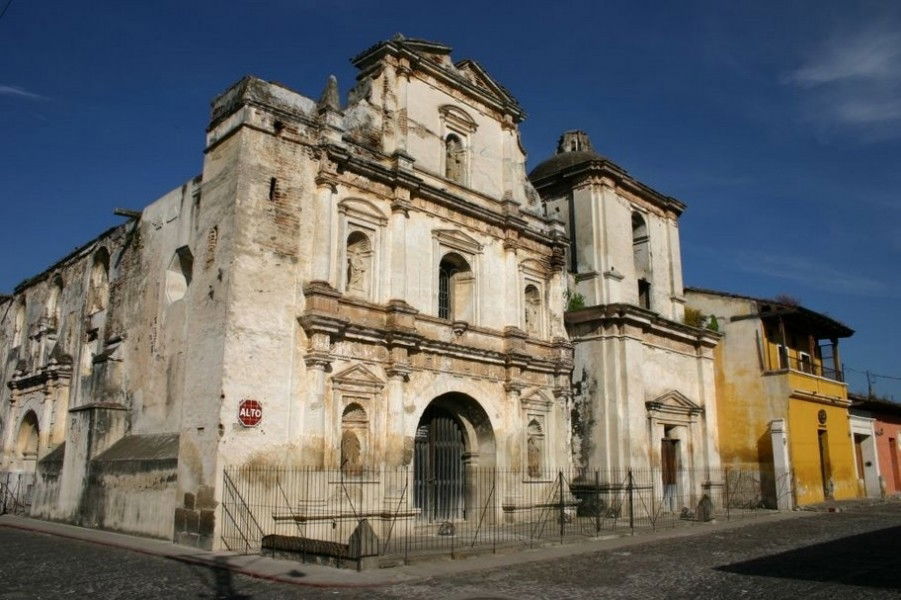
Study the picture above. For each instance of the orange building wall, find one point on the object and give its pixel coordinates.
(890, 427)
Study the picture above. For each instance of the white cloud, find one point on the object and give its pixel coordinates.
(814, 274)
(11, 90)
(852, 83)
(865, 56)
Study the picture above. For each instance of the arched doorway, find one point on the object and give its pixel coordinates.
(27, 443)
(453, 438)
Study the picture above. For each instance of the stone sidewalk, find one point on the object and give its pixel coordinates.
(287, 571)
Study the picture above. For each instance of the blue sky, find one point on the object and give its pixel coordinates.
(778, 124)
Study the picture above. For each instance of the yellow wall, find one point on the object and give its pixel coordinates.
(805, 454)
(818, 386)
(744, 405)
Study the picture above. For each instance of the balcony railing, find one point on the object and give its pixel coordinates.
(805, 365)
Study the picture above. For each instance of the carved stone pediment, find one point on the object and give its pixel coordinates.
(357, 379)
(479, 77)
(536, 400)
(674, 402)
(453, 238)
(363, 210)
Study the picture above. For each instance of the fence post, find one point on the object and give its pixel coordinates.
(726, 491)
(631, 511)
(562, 516)
(597, 502)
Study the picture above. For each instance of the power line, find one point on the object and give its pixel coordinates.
(873, 375)
(3, 12)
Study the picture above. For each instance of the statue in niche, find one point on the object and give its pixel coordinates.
(454, 157)
(351, 453)
(533, 310)
(533, 456)
(358, 253)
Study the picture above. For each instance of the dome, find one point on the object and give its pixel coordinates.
(573, 148)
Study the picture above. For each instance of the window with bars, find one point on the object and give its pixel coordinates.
(445, 272)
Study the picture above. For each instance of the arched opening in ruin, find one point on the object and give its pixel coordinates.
(27, 442)
(453, 439)
(641, 254)
(99, 282)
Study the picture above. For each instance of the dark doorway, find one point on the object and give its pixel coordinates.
(896, 472)
(669, 461)
(825, 469)
(438, 473)
(858, 455)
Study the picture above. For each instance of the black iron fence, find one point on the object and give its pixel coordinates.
(314, 512)
(16, 490)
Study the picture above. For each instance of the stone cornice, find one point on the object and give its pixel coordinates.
(647, 320)
(397, 325)
(503, 217)
(40, 378)
(594, 171)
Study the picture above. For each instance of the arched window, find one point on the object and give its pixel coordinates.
(99, 294)
(29, 434)
(641, 254)
(359, 264)
(455, 288)
(354, 425)
(53, 310)
(19, 323)
(532, 310)
(454, 159)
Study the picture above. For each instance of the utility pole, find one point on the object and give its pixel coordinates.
(869, 384)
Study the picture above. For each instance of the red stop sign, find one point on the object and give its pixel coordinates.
(250, 413)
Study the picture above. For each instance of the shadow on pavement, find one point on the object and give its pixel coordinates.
(868, 559)
(219, 580)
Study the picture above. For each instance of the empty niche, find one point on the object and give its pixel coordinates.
(178, 275)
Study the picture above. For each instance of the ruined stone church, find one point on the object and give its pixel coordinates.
(382, 282)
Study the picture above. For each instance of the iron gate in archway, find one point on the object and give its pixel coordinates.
(438, 475)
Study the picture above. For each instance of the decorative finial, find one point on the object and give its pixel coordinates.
(398, 37)
(574, 141)
(330, 99)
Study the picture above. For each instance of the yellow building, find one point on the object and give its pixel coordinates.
(781, 397)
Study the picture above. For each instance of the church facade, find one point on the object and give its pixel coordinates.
(378, 279)
(369, 284)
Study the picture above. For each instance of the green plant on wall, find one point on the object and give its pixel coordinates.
(713, 324)
(574, 301)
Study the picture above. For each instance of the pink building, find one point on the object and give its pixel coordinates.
(887, 429)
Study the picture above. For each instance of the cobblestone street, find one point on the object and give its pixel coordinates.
(851, 554)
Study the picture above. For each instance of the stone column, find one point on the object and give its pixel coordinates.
(46, 417)
(398, 248)
(395, 422)
(12, 428)
(781, 465)
(316, 421)
(322, 240)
